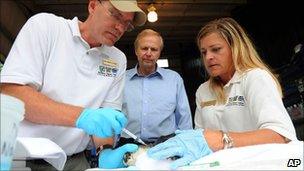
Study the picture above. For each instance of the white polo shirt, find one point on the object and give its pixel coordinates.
(253, 103)
(50, 55)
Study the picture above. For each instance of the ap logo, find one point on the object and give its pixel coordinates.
(293, 162)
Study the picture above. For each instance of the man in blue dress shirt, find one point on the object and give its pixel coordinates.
(155, 99)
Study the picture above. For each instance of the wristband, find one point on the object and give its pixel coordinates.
(227, 140)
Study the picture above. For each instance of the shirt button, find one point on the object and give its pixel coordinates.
(87, 53)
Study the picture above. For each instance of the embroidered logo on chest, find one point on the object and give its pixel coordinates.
(108, 68)
(236, 101)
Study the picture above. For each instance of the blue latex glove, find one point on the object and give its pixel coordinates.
(190, 145)
(101, 122)
(110, 159)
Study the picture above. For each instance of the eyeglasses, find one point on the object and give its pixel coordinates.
(128, 26)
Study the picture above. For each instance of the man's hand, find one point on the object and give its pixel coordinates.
(101, 122)
(190, 145)
(110, 159)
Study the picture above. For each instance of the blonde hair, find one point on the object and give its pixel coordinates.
(147, 32)
(244, 55)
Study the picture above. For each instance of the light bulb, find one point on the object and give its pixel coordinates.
(152, 16)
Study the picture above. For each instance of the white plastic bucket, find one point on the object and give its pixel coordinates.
(12, 112)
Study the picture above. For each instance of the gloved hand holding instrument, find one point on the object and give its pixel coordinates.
(102, 122)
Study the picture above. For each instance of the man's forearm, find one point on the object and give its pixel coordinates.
(40, 108)
(103, 141)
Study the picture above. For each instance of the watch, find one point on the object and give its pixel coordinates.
(227, 140)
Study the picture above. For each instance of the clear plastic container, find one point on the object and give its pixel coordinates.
(12, 112)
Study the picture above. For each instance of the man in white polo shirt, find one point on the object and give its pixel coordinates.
(71, 77)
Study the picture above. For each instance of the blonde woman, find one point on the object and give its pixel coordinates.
(240, 105)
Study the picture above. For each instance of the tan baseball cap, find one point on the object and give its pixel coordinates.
(131, 6)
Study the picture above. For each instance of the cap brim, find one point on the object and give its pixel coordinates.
(131, 6)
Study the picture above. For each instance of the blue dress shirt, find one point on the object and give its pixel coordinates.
(156, 104)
